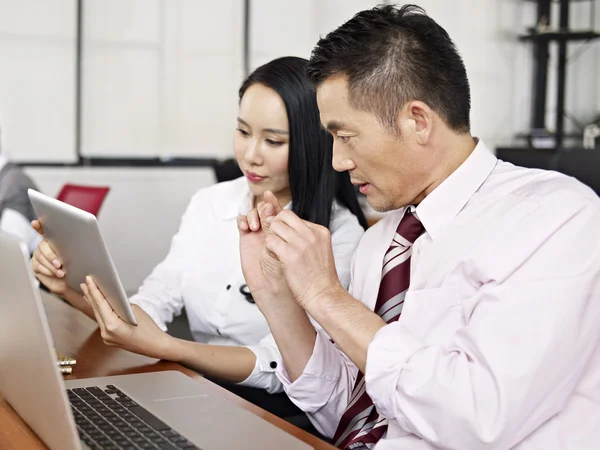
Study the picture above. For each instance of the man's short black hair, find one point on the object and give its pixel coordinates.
(391, 56)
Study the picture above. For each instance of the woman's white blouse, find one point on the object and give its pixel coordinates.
(202, 272)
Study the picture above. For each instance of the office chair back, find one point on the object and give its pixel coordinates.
(88, 198)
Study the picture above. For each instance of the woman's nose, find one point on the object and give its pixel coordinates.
(253, 154)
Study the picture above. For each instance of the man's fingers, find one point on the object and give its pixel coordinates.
(276, 246)
(292, 220)
(283, 231)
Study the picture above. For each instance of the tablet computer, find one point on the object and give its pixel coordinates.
(75, 237)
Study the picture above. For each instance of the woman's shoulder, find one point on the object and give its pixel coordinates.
(220, 195)
(343, 221)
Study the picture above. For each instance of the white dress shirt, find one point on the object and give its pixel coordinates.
(498, 344)
(202, 272)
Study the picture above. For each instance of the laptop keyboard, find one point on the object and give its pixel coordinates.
(109, 420)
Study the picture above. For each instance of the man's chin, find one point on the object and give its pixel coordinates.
(379, 204)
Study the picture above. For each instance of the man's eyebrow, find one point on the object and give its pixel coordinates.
(334, 125)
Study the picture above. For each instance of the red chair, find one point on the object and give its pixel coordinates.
(88, 198)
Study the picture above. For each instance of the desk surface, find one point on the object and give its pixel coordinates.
(77, 335)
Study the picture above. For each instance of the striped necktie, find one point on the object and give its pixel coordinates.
(361, 426)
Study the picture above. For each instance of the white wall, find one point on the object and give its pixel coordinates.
(140, 214)
(37, 79)
(160, 77)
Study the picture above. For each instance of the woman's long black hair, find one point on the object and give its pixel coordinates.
(314, 183)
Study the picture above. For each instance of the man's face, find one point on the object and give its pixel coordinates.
(392, 169)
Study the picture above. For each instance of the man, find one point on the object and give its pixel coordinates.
(16, 212)
(496, 343)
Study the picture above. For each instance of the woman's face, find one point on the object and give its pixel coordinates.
(261, 142)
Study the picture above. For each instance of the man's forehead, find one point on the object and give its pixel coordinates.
(334, 87)
(332, 102)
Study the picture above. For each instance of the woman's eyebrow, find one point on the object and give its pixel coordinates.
(268, 130)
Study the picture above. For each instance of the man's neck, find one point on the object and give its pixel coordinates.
(455, 149)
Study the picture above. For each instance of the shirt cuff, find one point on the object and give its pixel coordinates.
(263, 375)
(387, 354)
(320, 376)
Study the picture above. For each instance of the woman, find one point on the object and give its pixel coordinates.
(280, 147)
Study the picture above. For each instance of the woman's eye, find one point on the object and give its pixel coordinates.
(273, 143)
(344, 139)
(243, 132)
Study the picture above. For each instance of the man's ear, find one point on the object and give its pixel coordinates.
(417, 121)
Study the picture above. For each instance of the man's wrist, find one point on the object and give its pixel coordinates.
(322, 301)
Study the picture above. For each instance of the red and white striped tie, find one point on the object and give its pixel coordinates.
(361, 426)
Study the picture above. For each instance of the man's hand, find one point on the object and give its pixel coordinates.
(145, 338)
(305, 252)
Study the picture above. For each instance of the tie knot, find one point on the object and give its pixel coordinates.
(410, 228)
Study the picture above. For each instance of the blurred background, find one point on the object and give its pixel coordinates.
(141, 95)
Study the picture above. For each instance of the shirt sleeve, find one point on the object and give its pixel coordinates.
(526, 339)
(268, 359)
(160, 295)
(325, 385)
(323, 388)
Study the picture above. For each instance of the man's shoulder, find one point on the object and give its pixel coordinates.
(344, 221)
(541, 188)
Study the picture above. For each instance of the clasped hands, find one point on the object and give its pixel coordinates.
(283, 255)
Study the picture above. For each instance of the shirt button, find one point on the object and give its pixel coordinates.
(273, 364)
(228, 287)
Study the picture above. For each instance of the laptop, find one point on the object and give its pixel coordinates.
(158, 410)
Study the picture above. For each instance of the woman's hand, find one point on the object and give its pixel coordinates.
(262, 270)
(145, 338)
(47, 266)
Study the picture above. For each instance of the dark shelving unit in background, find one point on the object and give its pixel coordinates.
(581, 163)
